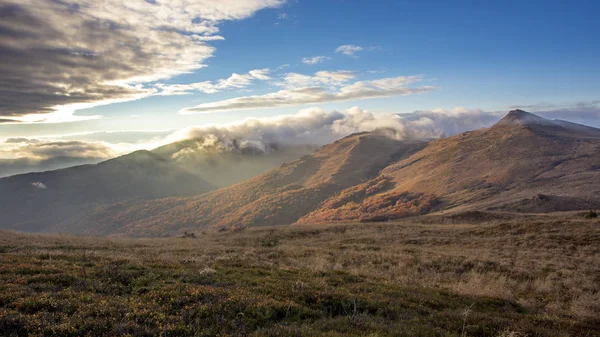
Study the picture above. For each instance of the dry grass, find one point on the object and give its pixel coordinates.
(547, 268)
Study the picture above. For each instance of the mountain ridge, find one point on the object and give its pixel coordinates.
(523, 163)
(496, 168)
(41, 200)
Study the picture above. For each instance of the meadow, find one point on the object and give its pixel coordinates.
(429, 276)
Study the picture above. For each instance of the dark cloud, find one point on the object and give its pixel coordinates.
(22, 141)
(57, 53)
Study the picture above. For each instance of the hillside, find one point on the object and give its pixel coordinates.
(41, 201)
(524, 163)
(280, 196)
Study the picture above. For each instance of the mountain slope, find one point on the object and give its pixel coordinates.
(280, 196)
(522, 163)
(40, 201)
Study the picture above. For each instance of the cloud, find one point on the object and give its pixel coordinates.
(59, 56)
(442, 123)
(395, 86)
(315, 126)
(315, 60)
(57, 149)
(22, 155)
(235, 81)
(349, 49)
(90, 145)
(308, 127)
(328, 78)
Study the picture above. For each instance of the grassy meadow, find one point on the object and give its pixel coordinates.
(537, 276)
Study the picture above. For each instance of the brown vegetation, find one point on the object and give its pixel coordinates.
(534, 276)
(281, 196)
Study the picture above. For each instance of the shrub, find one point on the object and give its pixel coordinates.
(269, 241)
(591, 215)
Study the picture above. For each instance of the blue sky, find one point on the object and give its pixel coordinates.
(476, 53)
(479, 55)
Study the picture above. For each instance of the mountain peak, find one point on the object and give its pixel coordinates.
(520, 117)
(523, 119)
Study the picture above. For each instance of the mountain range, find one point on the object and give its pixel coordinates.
(523, 163)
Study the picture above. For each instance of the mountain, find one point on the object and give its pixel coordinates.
(524, 163)
(42, 201)
(280, 196)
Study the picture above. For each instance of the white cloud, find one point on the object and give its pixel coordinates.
(315, 126)
(235, 81)
(90, 145)
(207, 37)
(35, 149)
(82, 53)
(396, 86)
(349, 49)
(447, 122)
(315, 60)
(328, 78)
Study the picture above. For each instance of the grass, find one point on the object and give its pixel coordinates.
(521, 277)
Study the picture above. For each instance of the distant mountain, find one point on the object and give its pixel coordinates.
(42, 201)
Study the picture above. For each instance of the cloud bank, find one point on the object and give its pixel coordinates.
(315, 126)
(297, 93)
(56, 54)
(312, 126)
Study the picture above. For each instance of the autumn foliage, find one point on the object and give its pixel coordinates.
(371, 201)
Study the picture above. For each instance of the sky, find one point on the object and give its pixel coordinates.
(101, 78)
